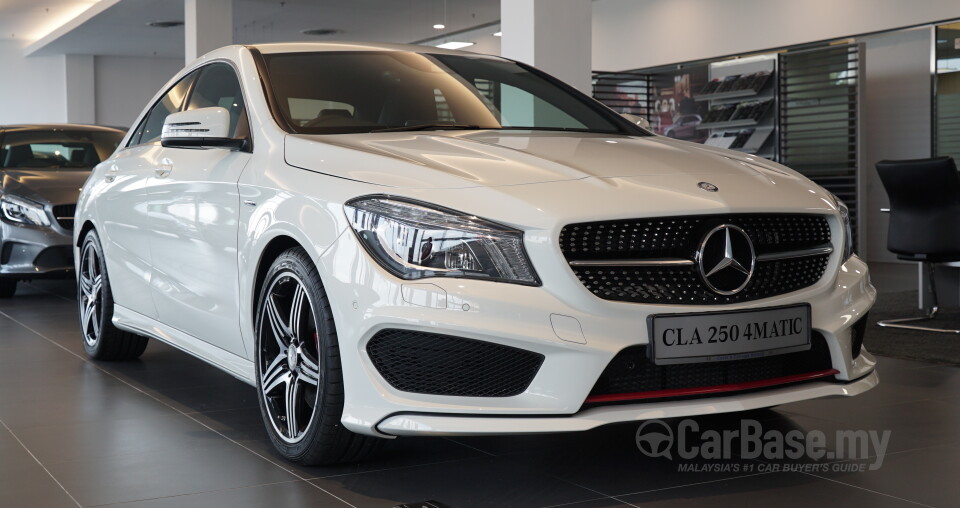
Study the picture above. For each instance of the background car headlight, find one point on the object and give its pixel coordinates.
(23, 211)
(415, 240)
(847, 229)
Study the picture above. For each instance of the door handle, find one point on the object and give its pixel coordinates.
(111, 173)
(166, 166)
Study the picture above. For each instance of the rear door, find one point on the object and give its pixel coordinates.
(122, 206)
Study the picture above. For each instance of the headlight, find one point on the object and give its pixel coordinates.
(847, 230)
(23, 211)
(415, 240)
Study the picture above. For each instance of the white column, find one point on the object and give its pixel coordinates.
(208, 25)
(552, 35)
(80, 92)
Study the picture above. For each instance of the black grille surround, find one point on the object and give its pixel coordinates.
(64, 215)
(435, 364)
(679, 238)
(632, 372)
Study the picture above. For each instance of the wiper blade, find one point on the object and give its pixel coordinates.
(430, 127)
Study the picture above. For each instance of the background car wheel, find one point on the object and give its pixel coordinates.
(101, 340)
(298, 367)
(7, 287)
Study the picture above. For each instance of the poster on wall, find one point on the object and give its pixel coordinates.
(676, 113)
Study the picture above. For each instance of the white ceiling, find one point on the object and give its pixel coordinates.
(29, 20)
(121, 29)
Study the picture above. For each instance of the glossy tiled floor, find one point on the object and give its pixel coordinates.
(170, 431)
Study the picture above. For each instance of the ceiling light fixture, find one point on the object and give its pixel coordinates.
(321, 31)
(165, 24)
(454, 45)
(441, 26)
(498, 34)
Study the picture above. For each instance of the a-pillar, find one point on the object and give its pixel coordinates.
(208, 25)
(79, 86)
(552, 35)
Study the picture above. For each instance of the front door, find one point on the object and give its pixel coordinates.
(194, 205)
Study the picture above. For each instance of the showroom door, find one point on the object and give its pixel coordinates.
(123, 211)
(194, 204)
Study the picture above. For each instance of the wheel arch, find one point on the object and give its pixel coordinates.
(276, 246)
(87, 226)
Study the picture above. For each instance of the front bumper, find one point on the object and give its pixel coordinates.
(28, 252)
(452, 425)
(576, 348)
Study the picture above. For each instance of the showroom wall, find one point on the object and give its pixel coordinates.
(896, 108)
(633, 34)
(125, 84)
(31, 89)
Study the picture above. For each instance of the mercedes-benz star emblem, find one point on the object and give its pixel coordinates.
(707, 186)
(726, 259)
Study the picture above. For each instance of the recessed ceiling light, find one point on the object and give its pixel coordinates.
(498, 34)
(165, 24)
(454, 45)
(439, 26)
(321, 31)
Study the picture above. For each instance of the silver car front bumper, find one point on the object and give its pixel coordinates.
(28, 252)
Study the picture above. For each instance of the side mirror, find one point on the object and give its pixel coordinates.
(639, 121)
(199, 128)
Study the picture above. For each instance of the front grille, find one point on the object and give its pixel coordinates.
(631, 371)
(64, 215)
(679, 238)
(430, 363)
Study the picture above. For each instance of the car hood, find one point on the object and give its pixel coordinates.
(55, 186)
(652, 169)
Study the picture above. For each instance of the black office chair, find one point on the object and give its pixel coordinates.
(924, 220)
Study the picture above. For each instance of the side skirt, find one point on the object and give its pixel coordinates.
(236, 366)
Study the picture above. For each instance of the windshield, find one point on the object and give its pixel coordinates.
(348, 92)
(56, 148)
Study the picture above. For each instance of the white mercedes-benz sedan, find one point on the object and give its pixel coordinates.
(399, 240)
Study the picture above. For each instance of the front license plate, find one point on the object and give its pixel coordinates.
(716, 336)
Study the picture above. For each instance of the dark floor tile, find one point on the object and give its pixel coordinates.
(30, 485)
(608, 461)
(917, 424)
(927, 476)
(173, 472)
(105, 399)
(111, 438)
(393, 455)
(604, 502)
(486, 482)
(293, 494)
(12, 454)
(774, 489)
(220, 396)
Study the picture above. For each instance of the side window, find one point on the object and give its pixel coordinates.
(149, 129)
(218, 86)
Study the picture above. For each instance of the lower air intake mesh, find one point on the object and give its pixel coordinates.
(435, 364)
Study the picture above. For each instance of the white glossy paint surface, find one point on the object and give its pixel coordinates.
(192, 242)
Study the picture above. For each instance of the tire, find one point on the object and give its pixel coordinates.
(298, 366)
(101, 340)
(8, 287)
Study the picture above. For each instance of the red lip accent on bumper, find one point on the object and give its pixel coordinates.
(707, 390)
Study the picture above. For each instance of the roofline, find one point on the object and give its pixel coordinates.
(306, 47)
(60, 126)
